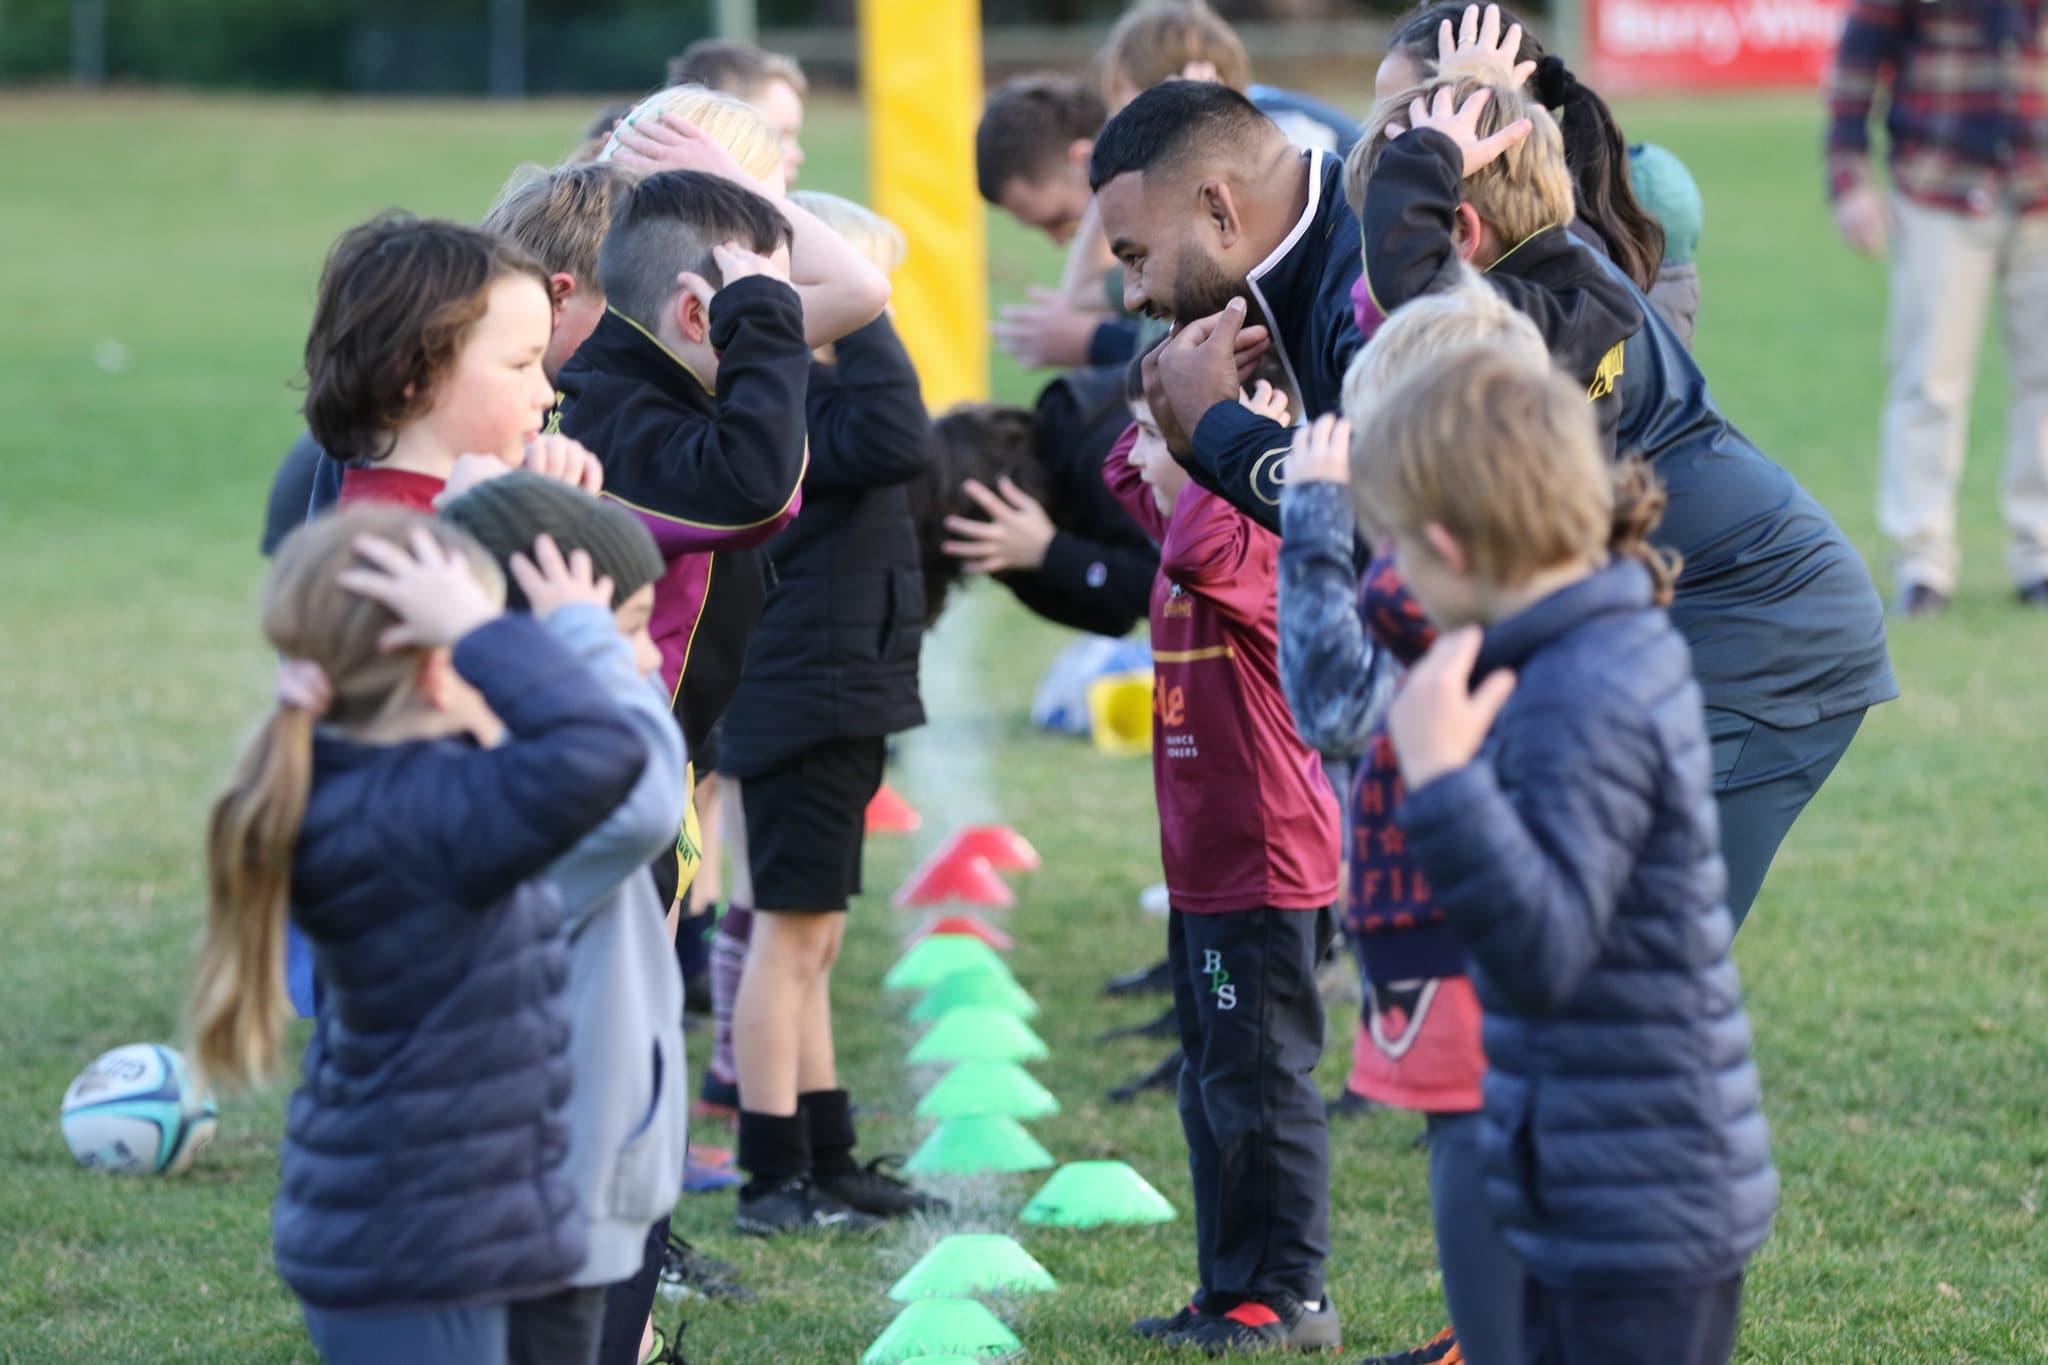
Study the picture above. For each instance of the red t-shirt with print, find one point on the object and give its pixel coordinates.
(1246, 817)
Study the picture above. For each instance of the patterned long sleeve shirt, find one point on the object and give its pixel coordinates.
(1336, 683)
(1967, 82)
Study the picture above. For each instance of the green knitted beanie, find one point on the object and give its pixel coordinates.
(1665, 189)
(507, 514)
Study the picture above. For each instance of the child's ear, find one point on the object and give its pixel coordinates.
(1467, 231)
(1078, 152)
(1446, 547)
(693, 307)
(561, 285)
(1220, 208)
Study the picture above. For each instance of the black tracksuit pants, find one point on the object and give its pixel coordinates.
(1251, 1026)
(1691, 1325)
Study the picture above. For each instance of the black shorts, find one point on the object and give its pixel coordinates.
(805, 823)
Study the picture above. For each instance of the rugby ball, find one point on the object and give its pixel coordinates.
(137, 1111)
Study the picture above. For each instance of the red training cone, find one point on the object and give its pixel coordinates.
(965, 926)
(889, 813)
(1005, 849)
(948, 876)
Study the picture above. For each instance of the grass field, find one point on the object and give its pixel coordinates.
(161, 257)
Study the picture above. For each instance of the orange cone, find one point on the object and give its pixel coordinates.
(950, 877)
(1005, 849)
(889, 813)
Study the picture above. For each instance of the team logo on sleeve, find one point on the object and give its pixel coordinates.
(1269, 475)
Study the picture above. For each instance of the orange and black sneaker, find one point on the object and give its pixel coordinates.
(1441, 1349)
(1279, 1324)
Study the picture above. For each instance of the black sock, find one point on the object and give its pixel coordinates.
(830, 1116)
(693, 941)
(773, 1148)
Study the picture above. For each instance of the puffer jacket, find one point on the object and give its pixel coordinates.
(1578, 858)
(423, 1151)
(834, 655)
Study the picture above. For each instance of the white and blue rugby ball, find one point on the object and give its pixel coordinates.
(136, 1111)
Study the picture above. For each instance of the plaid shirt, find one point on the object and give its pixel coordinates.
(1968, 118)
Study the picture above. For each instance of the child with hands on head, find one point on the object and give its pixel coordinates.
(1558, 803)
(1249, 839)
(425, 362)
(429, 760)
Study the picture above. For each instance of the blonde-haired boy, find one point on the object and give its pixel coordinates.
(560, 215)
(1469, 170)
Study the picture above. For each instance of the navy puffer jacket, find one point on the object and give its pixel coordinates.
(1579, 860)
(423, 1151)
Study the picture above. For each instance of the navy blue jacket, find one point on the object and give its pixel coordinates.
(1579, 860)
(1302, 292)
(834, 655)
(423, 1150)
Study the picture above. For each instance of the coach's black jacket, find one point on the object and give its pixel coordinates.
(712, 474)
(1303, 291)
(834, 655)
(1563, 285)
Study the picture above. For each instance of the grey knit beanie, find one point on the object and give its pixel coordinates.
(507, 514)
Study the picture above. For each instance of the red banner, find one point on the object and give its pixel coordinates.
(1659, 45)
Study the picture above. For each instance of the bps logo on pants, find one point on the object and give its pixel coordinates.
(1219, 979)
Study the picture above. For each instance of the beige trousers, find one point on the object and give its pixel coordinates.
(1944, 268)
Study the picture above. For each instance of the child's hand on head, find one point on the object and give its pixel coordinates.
(671, 142)
(1460, 123)
(467, 472)
(430, 588)
(552, 582)
(565, 460)
(1015, 536)
(1437, 721)
(1479, 48)
(1266, 401)
(1322, 452)
(735, 262)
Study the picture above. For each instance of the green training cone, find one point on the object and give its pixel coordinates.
(973, 1088)
(959, 1327)
(932, 960)
(979, 1033)
(998, 990)
(973, 1263)
(943, 1360)
(1086, 1194)
(974, 1146)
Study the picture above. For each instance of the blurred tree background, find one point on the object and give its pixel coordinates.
(423, 47)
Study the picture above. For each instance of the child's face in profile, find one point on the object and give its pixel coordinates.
(576, 317)
(779, 103)
(1154, 462)
(496, 397)
(634, 617)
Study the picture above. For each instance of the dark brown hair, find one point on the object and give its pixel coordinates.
(1593, 145)
(669, 223)
(989, 442)
(397, 297)
(1027, 126)
(736, 68)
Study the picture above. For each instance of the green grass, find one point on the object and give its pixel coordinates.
(1893, 963)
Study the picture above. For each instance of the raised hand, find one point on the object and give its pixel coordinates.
(1266, 401)
(430, 588)
(552, 582)
(1479, 49)
(1047, 329)
(467, 472)
(1863, 220)
(1200, 365)
(669, 142)
(736, 262)
(565, 460)
(1322, 452)
(1460, 123)
(1015, 536)
(1438, 722)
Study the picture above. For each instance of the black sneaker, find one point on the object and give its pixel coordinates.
(796, 1205)
(697, 994)
(1441, 1349)
(686, 1270)
(1166, 1025)
(1351, 1105)
(870, 1189)
(1165, 1076)
(1256, 1325)
(1156, 979)
(2033, 594)
(1155, 1329)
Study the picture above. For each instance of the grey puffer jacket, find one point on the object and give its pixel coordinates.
(1578, 858)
